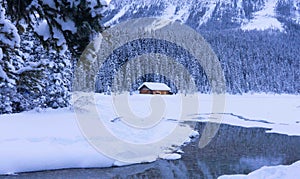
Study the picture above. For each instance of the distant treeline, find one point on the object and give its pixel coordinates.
(258, 61)
(252, 61)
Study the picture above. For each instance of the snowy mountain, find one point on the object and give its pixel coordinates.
(244, 14)
(256, 41)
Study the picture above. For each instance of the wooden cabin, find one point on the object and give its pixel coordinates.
(154, 88)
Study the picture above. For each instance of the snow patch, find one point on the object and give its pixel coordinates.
(173, 156)
(264, 19)
(50, 3)
(1, 54)
(116, 18)
(173, 13)
(169, 12)
(108, 1)
(211, 5)
(105, 2)
(67, 24)
(9, 33)
(281, 171)
(2, 73)
(194, 134)
(57, 34)
(183, 14)
(42, 29)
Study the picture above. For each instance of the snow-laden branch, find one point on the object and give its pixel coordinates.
(9, 36)
(26, 69)
(3, 74)
(32, 66)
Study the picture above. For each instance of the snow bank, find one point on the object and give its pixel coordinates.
(52, 139)
(281, 171)
(280, 113)
(173, 156)
(44, 140)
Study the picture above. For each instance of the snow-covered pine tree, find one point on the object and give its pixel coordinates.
(9, 42)
(45, 80)
(36, 72)
(60, 24)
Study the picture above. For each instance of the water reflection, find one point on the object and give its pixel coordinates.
(234, 150)
(238, 150)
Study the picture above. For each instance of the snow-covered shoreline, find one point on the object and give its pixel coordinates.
(52, 139)
(280, 171)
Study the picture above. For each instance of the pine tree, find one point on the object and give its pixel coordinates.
(9, 42)
(59, 24)
(38, 41)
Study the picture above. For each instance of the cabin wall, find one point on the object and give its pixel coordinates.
(144, 91)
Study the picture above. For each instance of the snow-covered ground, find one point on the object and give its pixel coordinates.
(280, 113)
(53, 139)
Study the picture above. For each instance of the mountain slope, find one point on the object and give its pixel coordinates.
(244, 14)
(253, 57)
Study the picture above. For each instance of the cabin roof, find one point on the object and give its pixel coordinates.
(155, 86)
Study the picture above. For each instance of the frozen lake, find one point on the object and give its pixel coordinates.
(234, 150)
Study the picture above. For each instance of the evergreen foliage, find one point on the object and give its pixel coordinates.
(252, 61)
(39, 42)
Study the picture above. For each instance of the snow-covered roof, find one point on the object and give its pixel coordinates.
(155, 86)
